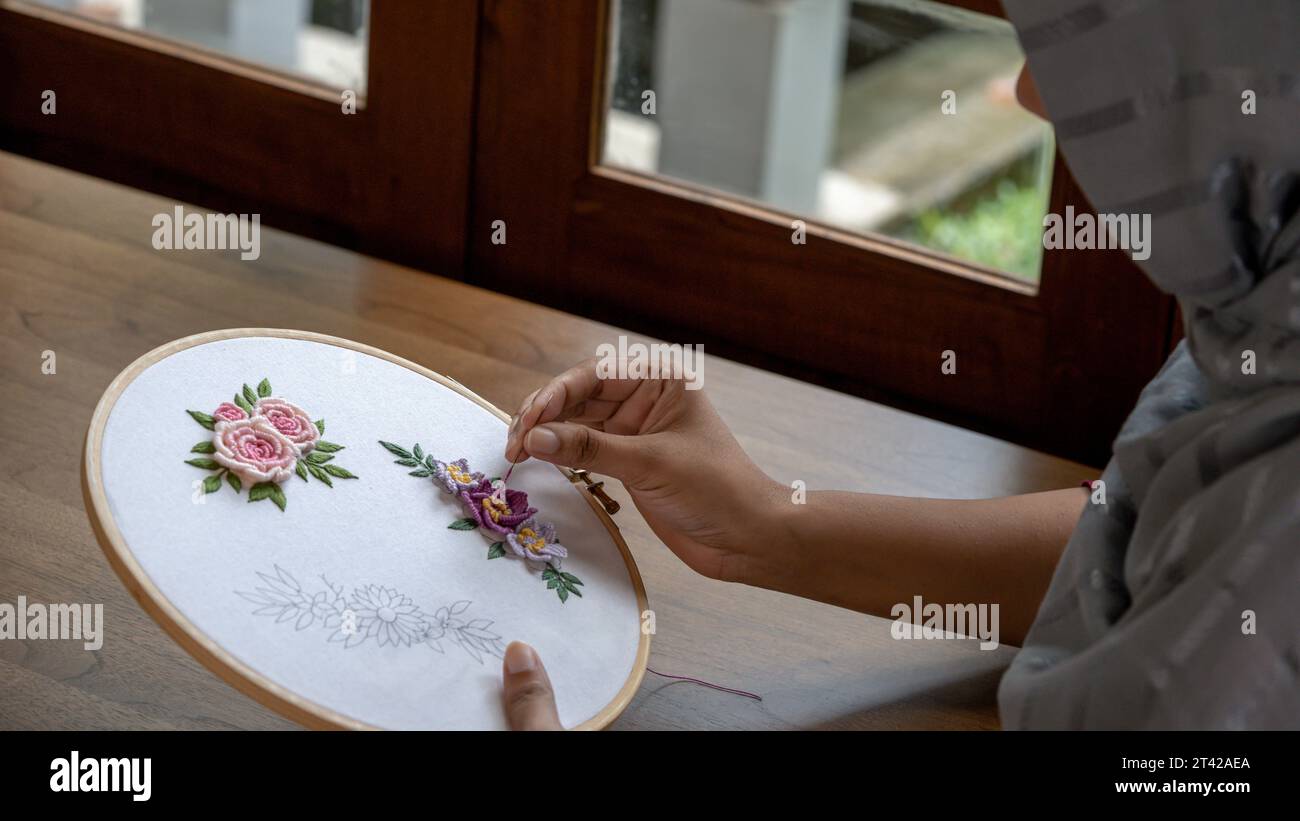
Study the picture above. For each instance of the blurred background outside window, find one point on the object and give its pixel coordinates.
(321, 40)
(833, 109)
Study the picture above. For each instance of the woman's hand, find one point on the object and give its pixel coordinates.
(686, 473)
(726, 519)
(526, 690)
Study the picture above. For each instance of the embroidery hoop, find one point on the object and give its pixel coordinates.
(207, 651)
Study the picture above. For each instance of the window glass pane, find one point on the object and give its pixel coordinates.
(321, 40)
(894, 117)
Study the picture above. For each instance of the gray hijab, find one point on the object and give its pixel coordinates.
(1177, 602)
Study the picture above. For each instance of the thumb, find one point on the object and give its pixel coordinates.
(578, 446)
(527, 693)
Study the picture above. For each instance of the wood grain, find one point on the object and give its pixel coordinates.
(78, 277)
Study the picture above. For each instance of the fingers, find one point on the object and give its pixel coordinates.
(579, 382)
(527, 694)
(590, 412)
(514, 434)
(578, 394)
(577, 446)
(634, 410)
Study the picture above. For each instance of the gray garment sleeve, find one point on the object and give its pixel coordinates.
(1185, 614)
(1175, 603)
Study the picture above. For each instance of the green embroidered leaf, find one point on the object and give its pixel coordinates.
(250, 396)
(267, 490)
(318, 458)
(562, 583)
(205, 464)
(420, 474)
(244, 404)
(430, 463)
(419, 453)
(264, 388)
(212, 483)
(233, 481)
(408, 463)
(396, 450)
(497, 550)
(320, 426)
(204, 447)
(494, 479)
(327, 447)
(202, 418)
(260, 491)
(338, 472)
(463, 524)
(320, 475)
(301, 470)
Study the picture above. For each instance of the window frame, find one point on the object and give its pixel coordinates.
(221, 133)
(1057, 369)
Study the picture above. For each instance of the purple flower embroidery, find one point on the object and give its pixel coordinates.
(456, 476)
(494, 514)
(536, 541)
(500, 514)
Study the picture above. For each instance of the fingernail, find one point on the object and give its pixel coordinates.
(520, 658)
(543, 440)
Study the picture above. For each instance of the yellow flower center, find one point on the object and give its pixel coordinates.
(531, 540)
(460, 476)
(495, 508)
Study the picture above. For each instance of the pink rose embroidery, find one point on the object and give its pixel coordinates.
(228, 412)
(290, 420)
(258, 441)
(255, 451)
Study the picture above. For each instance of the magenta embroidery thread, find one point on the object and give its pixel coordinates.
(708, 684)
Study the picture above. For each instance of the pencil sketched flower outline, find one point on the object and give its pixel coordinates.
(283, 598)
(473, 636)
(385, 614)
(371, 613)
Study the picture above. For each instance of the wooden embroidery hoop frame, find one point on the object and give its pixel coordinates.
(198, 644)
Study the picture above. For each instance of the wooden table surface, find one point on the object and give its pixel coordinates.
(79, 277)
